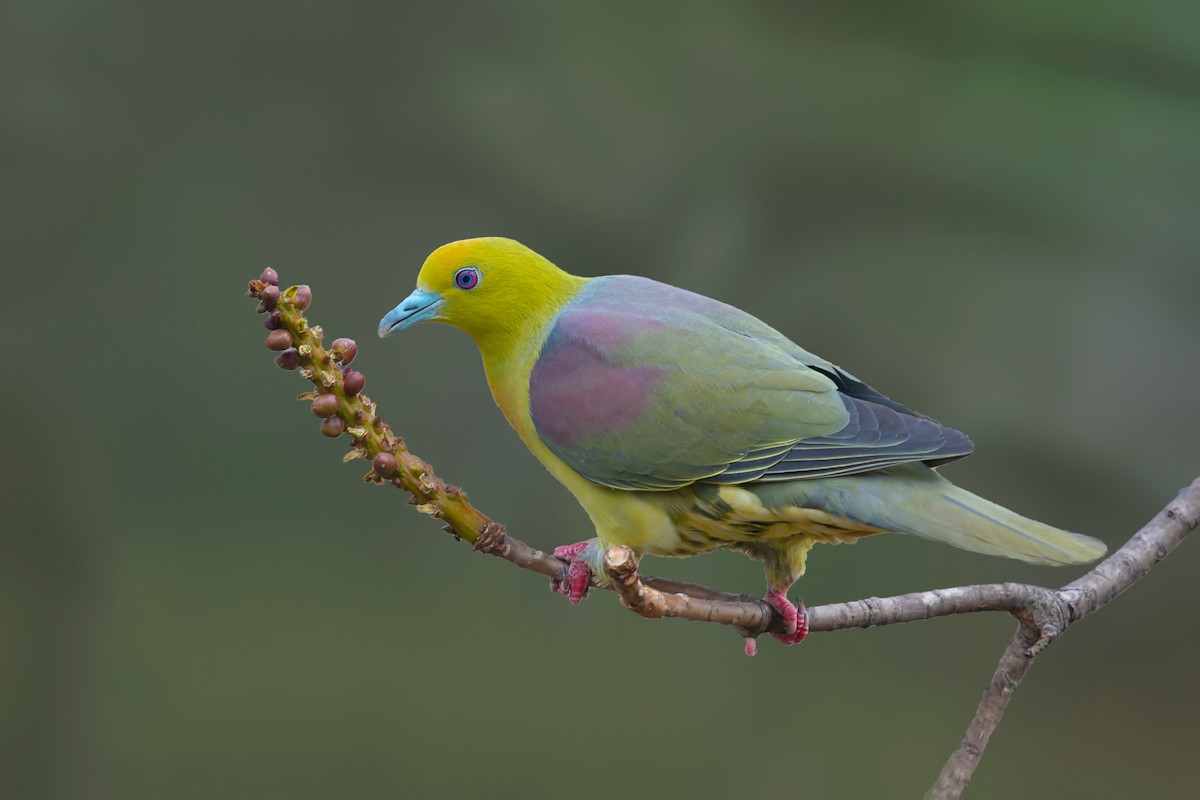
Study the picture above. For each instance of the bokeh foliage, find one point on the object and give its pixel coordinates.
(986, 209)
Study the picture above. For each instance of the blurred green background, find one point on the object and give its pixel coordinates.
(988, 210)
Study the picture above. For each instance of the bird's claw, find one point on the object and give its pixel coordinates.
(575, 584)
(794, 616)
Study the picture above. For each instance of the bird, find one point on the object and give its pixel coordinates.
(682, 424)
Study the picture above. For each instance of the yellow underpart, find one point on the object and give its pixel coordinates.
(791, 521)
(735, 517)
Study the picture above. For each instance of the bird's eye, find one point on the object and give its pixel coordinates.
(466, 278)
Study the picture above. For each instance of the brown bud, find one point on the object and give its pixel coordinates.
(269, 296)
(288, 359)
(353, 382)
(344, 350)
(303, 296)
(325, 406)
(385, 464)
(273, 320)
(333, 427)
(278, 339)
(269, 276)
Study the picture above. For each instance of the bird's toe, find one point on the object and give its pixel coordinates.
(794, 616)
(578, 578)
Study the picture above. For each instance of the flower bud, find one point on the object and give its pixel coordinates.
(278, 339)
(385, 464)
(269, 276)
(269, 296)
(273, 320)
(333, 427)
(353, 382)
(325, 405)
(302, 296)
(288, 359)
(344, 350)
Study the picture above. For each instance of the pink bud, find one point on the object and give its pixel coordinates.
(333, 427)
(344, 350)
(385, 464)
(353, 382)
(269, 296)
(325, 405)
(288, 359)
(302, 297)
(269, 276)
(273, 320)
(279, 339)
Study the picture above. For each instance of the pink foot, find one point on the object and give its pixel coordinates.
(579, 574)
(796, 619)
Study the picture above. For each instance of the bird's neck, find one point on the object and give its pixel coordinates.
(521, 339)
(509, 354)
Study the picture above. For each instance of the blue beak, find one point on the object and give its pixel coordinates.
(420, 306)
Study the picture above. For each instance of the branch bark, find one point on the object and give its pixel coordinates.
(1043, 614)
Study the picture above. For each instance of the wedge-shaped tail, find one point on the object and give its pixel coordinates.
(915, 499)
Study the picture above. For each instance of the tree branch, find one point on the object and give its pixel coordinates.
(1073, 602)
(1043, 614)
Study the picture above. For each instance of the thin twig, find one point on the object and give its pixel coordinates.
(1014, 663)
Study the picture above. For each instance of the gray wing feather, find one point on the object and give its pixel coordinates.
(877, 436)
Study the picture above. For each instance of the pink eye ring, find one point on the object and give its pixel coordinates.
(466, 278)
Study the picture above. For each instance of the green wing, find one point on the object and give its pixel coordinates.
(640, 385)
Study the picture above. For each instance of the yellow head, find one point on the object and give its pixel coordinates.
(492, 288)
